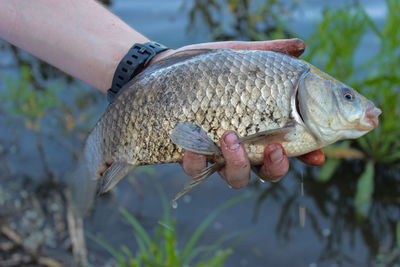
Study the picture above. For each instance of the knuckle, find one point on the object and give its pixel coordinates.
(274, 174)
(239, 184)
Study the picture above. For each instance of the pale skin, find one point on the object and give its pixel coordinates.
(85, 40)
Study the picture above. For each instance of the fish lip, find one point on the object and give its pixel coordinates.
(371, 115)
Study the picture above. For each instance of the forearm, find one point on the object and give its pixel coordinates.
(80, 37)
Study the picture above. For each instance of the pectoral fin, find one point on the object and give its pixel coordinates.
(113, 175)
(200, 178)
(269, 136)
(193, 138)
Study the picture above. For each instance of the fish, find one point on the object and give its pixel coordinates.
(188, 100)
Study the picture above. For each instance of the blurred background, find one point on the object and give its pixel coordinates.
(345, 213)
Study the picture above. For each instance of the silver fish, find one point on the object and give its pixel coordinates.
(193, 97)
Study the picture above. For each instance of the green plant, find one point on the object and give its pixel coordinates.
(23, 99)
(162, 249)
(244, 19)
(390, 257)
(378, 77)
(333, 47)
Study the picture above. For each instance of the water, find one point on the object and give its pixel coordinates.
(313, 226)
(159, 20)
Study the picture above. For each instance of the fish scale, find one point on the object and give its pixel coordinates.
(255, 93)
(157, 103)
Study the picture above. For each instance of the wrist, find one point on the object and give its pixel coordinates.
(135, 61)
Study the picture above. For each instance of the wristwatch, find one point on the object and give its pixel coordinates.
(133, 63)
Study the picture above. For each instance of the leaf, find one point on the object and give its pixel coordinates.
(141, 232)
(201, 228)
(218, 260)
(107, 246)
(127, 252)
(328, 169)
(365, 189)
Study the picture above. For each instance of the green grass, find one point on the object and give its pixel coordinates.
(23, 100)
(390, 256)
(162, 249)
(333, 48)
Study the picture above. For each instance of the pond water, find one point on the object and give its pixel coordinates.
(269, 219)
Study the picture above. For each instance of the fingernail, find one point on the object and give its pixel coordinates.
(276, 156)
(231, 141)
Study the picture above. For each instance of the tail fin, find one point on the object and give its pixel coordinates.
(82, 187)
(76, 233)
(81, 193)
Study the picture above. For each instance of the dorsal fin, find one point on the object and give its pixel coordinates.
(179, 56)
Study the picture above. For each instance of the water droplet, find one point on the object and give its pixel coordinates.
(229, 186)
(261, 180)
(326, 232)
(302, 215)
(174, 204)
(187, 198)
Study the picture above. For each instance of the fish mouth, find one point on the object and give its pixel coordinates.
(371, 115)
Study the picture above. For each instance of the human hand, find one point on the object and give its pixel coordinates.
(237, 169)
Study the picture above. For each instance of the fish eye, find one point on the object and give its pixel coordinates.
(348, 94)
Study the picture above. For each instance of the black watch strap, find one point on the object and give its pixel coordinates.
(133, 62)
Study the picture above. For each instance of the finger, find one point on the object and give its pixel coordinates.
(315, 158)
(276, 163)
(193, 163)
(237, 168)
(295, 47)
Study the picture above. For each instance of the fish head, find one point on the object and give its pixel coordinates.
(333, 111)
